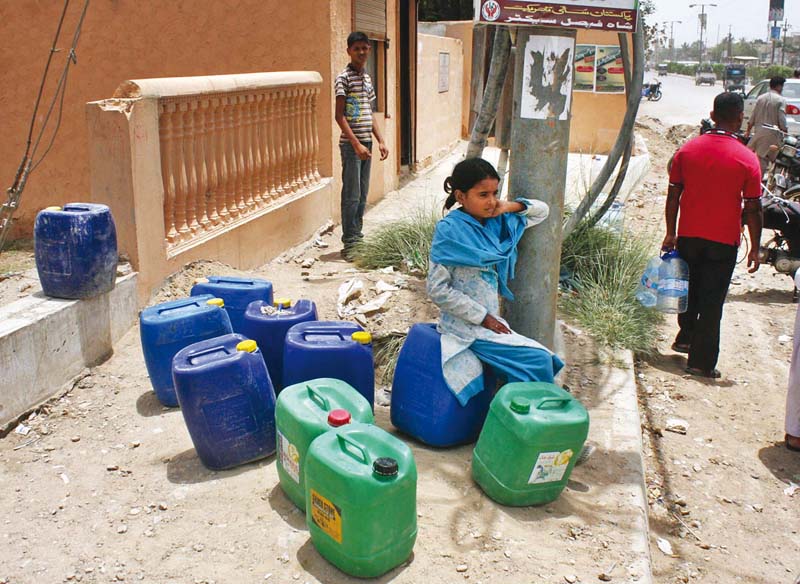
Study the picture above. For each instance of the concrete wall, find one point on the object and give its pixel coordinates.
(150, 38)
(596, 117)
(45, 342)
(439, 116)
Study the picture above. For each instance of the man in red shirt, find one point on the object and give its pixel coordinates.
(709, 178)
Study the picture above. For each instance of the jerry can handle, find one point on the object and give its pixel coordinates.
(351, 447)
(318, 398)
(548, 400)
(192, 357)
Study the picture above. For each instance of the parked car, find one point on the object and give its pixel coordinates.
(791, 92)
(663, 69)
(705, 75)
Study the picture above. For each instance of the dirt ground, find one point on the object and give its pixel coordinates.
(106, 486)
(716, 493)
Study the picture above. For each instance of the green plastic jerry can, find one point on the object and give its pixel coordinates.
(529, 444)
(303, 412)
(361, 506)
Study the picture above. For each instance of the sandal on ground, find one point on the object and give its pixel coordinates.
(680, 347)
(713, 374)
(789, 445)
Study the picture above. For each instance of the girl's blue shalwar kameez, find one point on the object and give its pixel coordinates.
(471, 262)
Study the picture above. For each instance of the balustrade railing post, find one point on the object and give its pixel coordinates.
(166, 138)
(200, 163)
(315, 125)
(211, 161)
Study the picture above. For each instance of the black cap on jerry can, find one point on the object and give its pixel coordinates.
(385, 467)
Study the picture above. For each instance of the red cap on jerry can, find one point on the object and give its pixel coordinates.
(338, 418)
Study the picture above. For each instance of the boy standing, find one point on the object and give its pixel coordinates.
(354, 96)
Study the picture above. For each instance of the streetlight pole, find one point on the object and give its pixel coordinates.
(671, 24)
(702, 17)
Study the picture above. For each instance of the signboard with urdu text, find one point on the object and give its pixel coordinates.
(608, 15)
(609, 69)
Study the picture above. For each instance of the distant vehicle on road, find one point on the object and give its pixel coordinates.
(663, 69)
(791, 92)
(705, 75)
(734, 78)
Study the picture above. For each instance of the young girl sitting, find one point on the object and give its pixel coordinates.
(472, 258)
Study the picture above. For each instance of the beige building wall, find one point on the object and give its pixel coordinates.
(439, 116)
(462, 30)
(152, 38)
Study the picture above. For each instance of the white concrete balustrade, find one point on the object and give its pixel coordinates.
(228, 152)
(209, 167)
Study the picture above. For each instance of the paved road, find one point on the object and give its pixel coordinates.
(683, 102)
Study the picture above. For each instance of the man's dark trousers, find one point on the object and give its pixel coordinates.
(710, 269)
(355, 186)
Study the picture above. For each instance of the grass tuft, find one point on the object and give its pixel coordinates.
(404, 244)
(607, 267)
(386, 350)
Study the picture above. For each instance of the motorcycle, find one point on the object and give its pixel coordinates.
(652, 91)
(782, 251)
(783, 174)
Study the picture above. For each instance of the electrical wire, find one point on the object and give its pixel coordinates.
(27, 165)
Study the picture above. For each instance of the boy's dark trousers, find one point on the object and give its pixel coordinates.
(710, 269)
(355, 186)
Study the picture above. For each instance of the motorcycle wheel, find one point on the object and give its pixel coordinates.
(792, 193)
(656, 96)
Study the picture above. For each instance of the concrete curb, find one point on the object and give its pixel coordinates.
(626, 433)
(46, 342)
(616, 429)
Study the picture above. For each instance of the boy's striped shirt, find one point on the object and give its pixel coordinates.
(358, 91)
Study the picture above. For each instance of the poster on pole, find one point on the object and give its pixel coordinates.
(610, 71)
(584, 67)
(547, 78)
(609, 15)
(776, 11)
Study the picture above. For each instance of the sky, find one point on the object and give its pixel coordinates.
(748, 18)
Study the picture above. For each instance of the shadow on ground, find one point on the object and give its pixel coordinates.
(781, 462)
(186, 469)
(317, 566)
(148, 405)
(284, 507)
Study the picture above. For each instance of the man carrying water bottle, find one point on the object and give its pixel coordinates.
(710, 177)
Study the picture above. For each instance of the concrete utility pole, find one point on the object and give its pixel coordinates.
(703, 21)
(772, 58)
(672, 37)
(539, 149)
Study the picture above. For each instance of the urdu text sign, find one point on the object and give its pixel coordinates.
(608, 15)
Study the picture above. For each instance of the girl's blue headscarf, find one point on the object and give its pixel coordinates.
(461, 240)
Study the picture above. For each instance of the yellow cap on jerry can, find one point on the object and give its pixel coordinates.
(282, 303)
(362, 337)
(216, 302)
(249, 346)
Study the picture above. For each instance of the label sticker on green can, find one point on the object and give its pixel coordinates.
(550, 467)
(289, 457)
(326, 516)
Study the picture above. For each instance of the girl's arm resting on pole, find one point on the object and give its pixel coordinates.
(448, 299)
(535, 211)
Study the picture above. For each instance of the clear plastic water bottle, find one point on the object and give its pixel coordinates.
(647, 291)
(673, 284)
